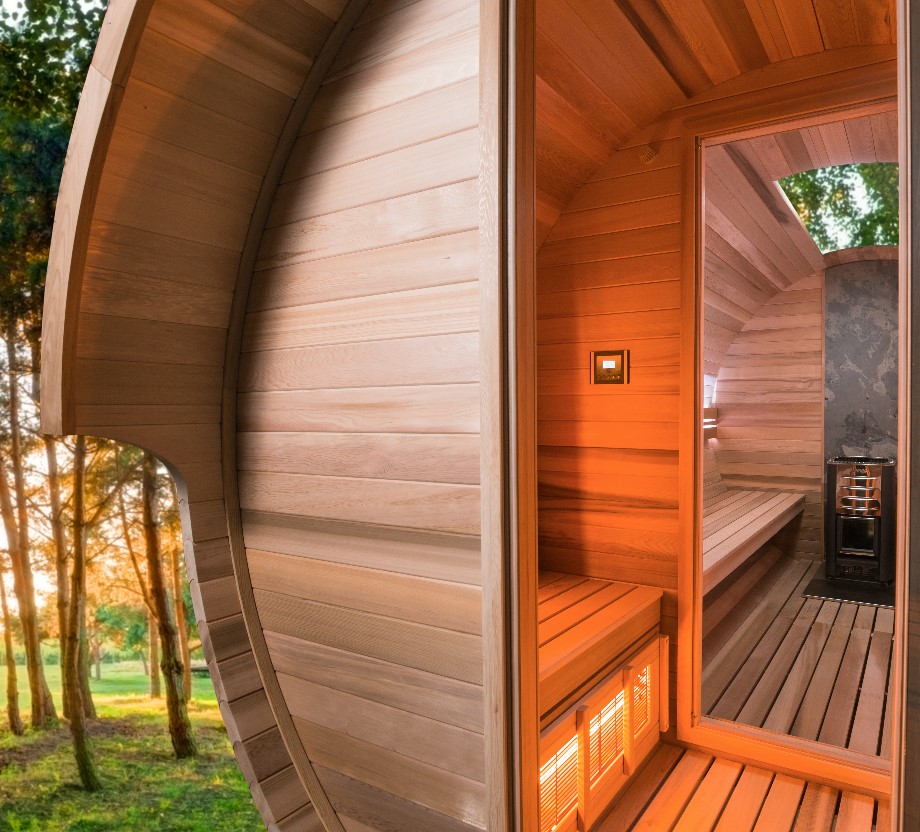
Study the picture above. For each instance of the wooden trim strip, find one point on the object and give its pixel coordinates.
(520, 559)
(286, 140)
(100, 101)
(905, 665)
(496, 220)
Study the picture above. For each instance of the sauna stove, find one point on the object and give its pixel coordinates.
(860, 513)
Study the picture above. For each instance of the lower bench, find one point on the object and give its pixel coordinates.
(603, 692)
(736, 522)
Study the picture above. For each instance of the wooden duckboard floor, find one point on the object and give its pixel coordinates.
(802, 666)
(689, 791)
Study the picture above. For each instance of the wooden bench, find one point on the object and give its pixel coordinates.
(602, 694)
(587, 626)
(736, 522)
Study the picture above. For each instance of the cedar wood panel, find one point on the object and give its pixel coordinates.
(358, 424)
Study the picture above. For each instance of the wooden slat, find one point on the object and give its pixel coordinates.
(438, 603)
(415, 691)
(814, 704)
(770, 619)
(442, 791)
(856, 813)
(818, 809)
(665, 808)
(781, 805)
(743, 807)
(457, 750)
(640, 789)
(710, 798)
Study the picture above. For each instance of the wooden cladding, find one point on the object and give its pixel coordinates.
(605, 72)
(771, 407)
(358, 424)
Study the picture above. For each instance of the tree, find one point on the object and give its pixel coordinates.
(44, 54)
(73, 692)
(848, 205)
(60, 547)
(12, 684)
(180, 727)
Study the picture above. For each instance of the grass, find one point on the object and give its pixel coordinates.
(146, 788)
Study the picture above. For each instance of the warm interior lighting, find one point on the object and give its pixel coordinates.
(583, 773)
(559, 785)
(710, 421)
(642, 700)
(607, 737)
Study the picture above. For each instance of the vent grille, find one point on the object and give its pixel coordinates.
(642, 700)
(606, 737)
(559, 785)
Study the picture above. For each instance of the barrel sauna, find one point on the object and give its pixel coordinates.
(339, 264)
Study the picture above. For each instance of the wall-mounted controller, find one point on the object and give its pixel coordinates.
(610, 367)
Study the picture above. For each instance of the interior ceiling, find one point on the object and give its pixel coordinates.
(606, 68)
(756, 246)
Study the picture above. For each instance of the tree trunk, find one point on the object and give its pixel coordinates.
(144, 660)
(83, 752)
(180, 727)
(86, 695)
(12, 682)
(60, 547)
(181, 624)
(23, 593)
(153, 649)
(43, 712)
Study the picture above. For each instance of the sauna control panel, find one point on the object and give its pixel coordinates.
(610, 367)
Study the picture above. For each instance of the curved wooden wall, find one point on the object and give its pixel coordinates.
(770, 397)
(771, 401)
(755, 245)
(182, 113)
(358, 419)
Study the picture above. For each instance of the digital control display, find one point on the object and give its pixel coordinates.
(610, 367)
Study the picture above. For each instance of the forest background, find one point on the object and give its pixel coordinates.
(110, 721)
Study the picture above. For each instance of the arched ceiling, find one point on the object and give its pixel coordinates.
(607, 68)
(756, 246)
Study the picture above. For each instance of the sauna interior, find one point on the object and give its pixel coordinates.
(681, 426)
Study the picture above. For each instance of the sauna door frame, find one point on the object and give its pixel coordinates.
(808, 759)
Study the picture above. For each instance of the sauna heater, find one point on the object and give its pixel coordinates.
(860, 509)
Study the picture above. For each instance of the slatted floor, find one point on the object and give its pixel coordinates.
(689, 791)
(811, 668)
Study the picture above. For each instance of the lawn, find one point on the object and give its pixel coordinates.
(146, 789)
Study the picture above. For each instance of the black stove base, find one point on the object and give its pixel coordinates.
(853, 592)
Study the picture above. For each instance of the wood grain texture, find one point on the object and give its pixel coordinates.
(603, 73)
(183, 112)
(771, 422)
(360, 342)
(688, 790)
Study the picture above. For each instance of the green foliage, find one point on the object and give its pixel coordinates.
(45, 49)
(848, 205)
(31, 159)
(123, 625)
(145, 787)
